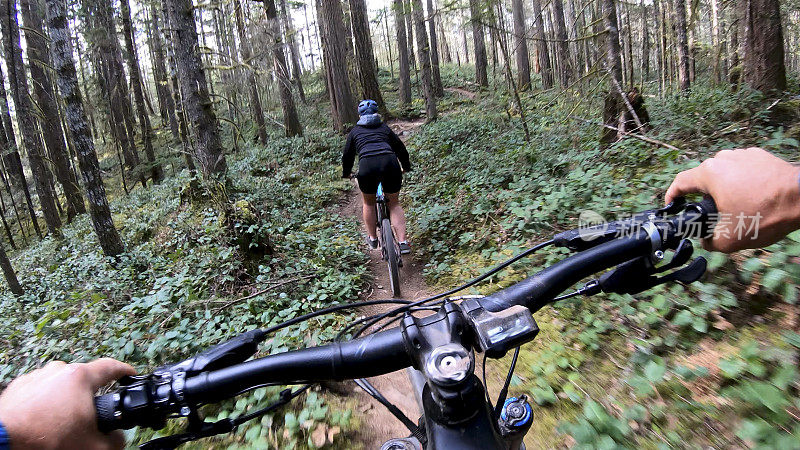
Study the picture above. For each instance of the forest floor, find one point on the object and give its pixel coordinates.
(379, 424)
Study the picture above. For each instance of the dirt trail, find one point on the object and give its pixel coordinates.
(379, 424)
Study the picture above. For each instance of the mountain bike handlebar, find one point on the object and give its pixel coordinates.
(174, 390)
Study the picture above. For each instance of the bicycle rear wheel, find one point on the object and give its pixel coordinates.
(392, 256)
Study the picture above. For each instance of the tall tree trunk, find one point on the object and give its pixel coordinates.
(50, 122)
(26, 117)
(614, 67)
(521, 45)
(715, 42)
(412, 56)
(111, 77)
(465, 43)
(334, 49)
(562, 46)
(645, 43)
(438, 89)
(162, 82)
(291, 38)
(194, 90)
(364, 55)
(11, 158)
(476, 17)
(156, 173)
(541, 46)
(404, 89)
(425, 62)
(246, 52)
(684, 79)
(734, 71)
(446, 53)
(763, 59)
(290, 120)
(67, 80)
(8, 272)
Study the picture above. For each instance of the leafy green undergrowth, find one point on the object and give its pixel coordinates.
(711, 364)
(197, 273)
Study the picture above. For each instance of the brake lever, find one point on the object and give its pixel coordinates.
(234, 351)
(682, 255)
(634, 276)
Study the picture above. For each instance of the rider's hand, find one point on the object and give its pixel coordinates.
(746, 183)
(53, 407)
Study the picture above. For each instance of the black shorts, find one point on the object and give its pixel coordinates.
(384, 169)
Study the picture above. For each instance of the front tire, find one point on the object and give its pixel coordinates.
(392, 256)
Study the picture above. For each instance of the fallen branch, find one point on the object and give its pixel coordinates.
(625, 133)
(262, 291)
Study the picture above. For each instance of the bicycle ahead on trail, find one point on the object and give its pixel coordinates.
(457, 412)
(390, 249)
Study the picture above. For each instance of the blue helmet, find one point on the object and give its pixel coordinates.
(367, 107)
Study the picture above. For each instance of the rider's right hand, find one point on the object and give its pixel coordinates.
(745, 183)
(53, 407)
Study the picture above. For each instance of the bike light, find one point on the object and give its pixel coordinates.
(497, 332)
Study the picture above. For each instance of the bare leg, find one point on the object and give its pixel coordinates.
(370, 215)
(397, 215)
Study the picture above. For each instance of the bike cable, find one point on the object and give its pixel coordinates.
(469, 283)
(501, 399)
(207, 429)
(374, 393)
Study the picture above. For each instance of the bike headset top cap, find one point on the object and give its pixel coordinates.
(367, 107)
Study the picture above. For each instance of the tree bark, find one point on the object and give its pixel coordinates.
(290, 120)
(291, 38)
(364, 55)
(111, 77)
(404, 89)
(645, 43)
(521, 45)
(11, 276)
(162, 82)
(438, 89)
(763, 59)
(246, 54)
(562, 46)
(684, 79)
(156, 173)
(425, 62)
(194, 90)
(611, 107)
(50, 122)
(11, 158)
(26, 117)
(67, 80)
(541, 46)
(481, 62)
(334, 50)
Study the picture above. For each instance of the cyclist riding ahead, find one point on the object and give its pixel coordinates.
(379, 150)
(53, 407)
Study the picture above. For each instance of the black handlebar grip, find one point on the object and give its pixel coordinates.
(708, 207)
(105, 405)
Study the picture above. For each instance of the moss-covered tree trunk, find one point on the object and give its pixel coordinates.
(50, 122)
(404, 87)
(425, 62)
(78, 124)
(156, 173)
(26, 116)
(291, 121)
(194, 89)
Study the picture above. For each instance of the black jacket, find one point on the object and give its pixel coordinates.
(372, 140)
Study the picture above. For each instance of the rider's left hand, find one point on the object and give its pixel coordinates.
(53, 407)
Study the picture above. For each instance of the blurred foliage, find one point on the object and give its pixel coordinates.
(713, 364)
(197, 273)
